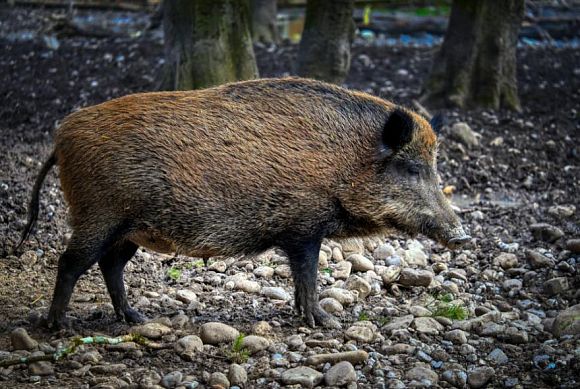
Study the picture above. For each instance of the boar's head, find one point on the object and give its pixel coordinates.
(398, 187)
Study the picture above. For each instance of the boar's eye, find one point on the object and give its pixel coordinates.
(413, 169)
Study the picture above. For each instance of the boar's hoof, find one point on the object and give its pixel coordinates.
(132, 316)
(458, 242)
(316, 315)
(56, 324)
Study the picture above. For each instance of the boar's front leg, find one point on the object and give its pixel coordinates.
(112, 266)
(303, 257)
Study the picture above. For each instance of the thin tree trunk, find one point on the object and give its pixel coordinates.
(264, 13)
(207, 42)
(324, 51)
(476, 65)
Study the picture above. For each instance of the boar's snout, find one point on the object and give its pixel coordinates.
(456, 238)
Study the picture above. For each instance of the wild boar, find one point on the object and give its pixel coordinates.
(240, 168)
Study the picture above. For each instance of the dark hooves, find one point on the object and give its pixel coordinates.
(134, 317)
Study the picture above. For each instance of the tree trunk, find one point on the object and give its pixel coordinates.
(207, 42)
(476, 65)
(264, 14)
(324, 51)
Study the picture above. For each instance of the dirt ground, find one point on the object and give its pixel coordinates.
(525, 164)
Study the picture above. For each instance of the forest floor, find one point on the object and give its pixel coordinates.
(514, 279)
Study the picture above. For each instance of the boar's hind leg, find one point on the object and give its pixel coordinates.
(112, 265)
(304, 263)
(80, 254)
(87, 245)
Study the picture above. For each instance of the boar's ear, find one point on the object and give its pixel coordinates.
(437, 122)
(398, 131)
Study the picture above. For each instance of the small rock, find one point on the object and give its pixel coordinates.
(361, 332)
(92, 357)
(556, 286)
(354, 357)
(262, 328)
(276, 293)
(149, 379)
(415, 277)
(255, 343)
(343, 296)
(498, 357)
(561, 211)
(218, 266)
(360, 285)
(514, 336)
(512, 284)
(172, 379)
(567, 322)
(248, 286)
(360, 263)
(398, 323)
(538, 260)
(152, 330)
(546, 232)
(390, 274)
(219, 380)
(264, 271)
(461, 132)
(237, 375)
(480, 376)
(302, 375)
(423, 375)
(322, 259)
(416, 257)
(399, 348)
(573, 245)
(427, 325)
(457, 378)
(186, 296)
(283, 271)
(21, 340)
(456, 336)
(342, 270)
(419, 311)
(340, 374)
(383, 251)
(294, 342)
(331, 305)
(337, 254)
(506, 260)
(217, 333)
(41, 368)
(188, 346)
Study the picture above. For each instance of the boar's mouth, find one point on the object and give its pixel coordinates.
(452, 237)
(455, 238)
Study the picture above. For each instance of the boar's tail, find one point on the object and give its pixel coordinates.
(33, 206)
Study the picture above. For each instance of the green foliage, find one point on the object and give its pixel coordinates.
(238, 353)
(451, 311)
(327, 270)
(363, 316)
(383, 320)
(441, 306)
(174, 273)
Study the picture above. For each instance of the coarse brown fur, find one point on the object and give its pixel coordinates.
(245, 166)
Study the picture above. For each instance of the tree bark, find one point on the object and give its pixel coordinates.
(324, 51)
(264, 14)
(476, 65)
(207, 42)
